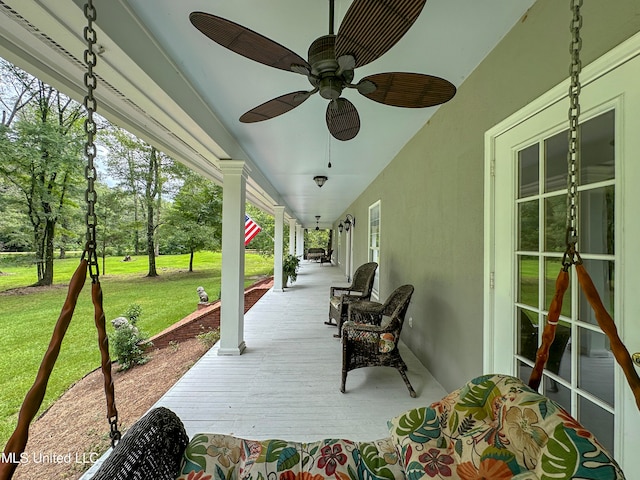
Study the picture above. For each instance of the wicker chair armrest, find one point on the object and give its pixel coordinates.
(363, 327)
(365, 312)
(350, 298)
(333, 290)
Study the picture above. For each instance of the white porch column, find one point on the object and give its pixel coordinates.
(292, 236)
(278, 246)
(234, 180)
(299, 241)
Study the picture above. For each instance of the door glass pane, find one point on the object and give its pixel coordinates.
(528, 280)
(528, 183)
(597, 152)
(555, 162)
(528, 337)
(555, 223)
(528, 220)
(559, 360)
(557, 392)
(579, 346)
(596, 365)
(596, 213)
(598, 421)
(552, 267)
(602, 275)
(523, 371)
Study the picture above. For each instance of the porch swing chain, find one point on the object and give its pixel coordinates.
(90, 129)
(91, 220)
(571, 255)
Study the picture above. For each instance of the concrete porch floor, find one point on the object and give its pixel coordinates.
(286, 383)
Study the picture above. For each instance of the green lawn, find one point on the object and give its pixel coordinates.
(27, 319)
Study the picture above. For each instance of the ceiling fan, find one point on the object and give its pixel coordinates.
(369, 29)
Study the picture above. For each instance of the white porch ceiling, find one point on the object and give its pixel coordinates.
(165, 81)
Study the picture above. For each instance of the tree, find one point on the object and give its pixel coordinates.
(263, 242)
(41, 142)
(196, 216)
(14, 233)
(111, 231)
(142, 171)
(123, 164)
(316, 238)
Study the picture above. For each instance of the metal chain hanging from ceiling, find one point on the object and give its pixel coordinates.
(90, 128)
(573, 155)
(571, 255)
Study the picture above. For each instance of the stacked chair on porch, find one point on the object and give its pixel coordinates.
(341, 297)
(370, 336)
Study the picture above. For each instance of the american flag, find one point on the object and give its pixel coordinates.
(251, 229)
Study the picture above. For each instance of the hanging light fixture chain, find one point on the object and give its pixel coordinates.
(574, 132)
(90, 129)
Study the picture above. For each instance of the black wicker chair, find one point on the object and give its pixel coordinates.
(341, 297)
(370, 336)
(326, 258)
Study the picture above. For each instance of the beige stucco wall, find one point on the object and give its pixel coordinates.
(432, 192)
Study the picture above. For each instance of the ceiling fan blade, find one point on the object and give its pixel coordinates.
(276, 106)
(343, 120)
(371, 27)
(246, 42)
(411, 90)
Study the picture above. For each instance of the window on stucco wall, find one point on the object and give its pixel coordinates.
(374, 244)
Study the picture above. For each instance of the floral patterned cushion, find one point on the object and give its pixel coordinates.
(387, 342)
(223, 457)
(496, 427)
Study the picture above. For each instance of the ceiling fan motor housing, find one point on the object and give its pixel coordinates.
(322, 58)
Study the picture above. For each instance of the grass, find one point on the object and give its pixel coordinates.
(529, 283)
(27, 318)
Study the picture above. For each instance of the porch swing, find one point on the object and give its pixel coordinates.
(153, 447)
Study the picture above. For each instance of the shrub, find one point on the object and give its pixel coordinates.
(290, 265)
(133, 313)
(127, 342)
(209, 338)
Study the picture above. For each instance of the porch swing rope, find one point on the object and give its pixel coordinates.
(571, 255)
(34, 397)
